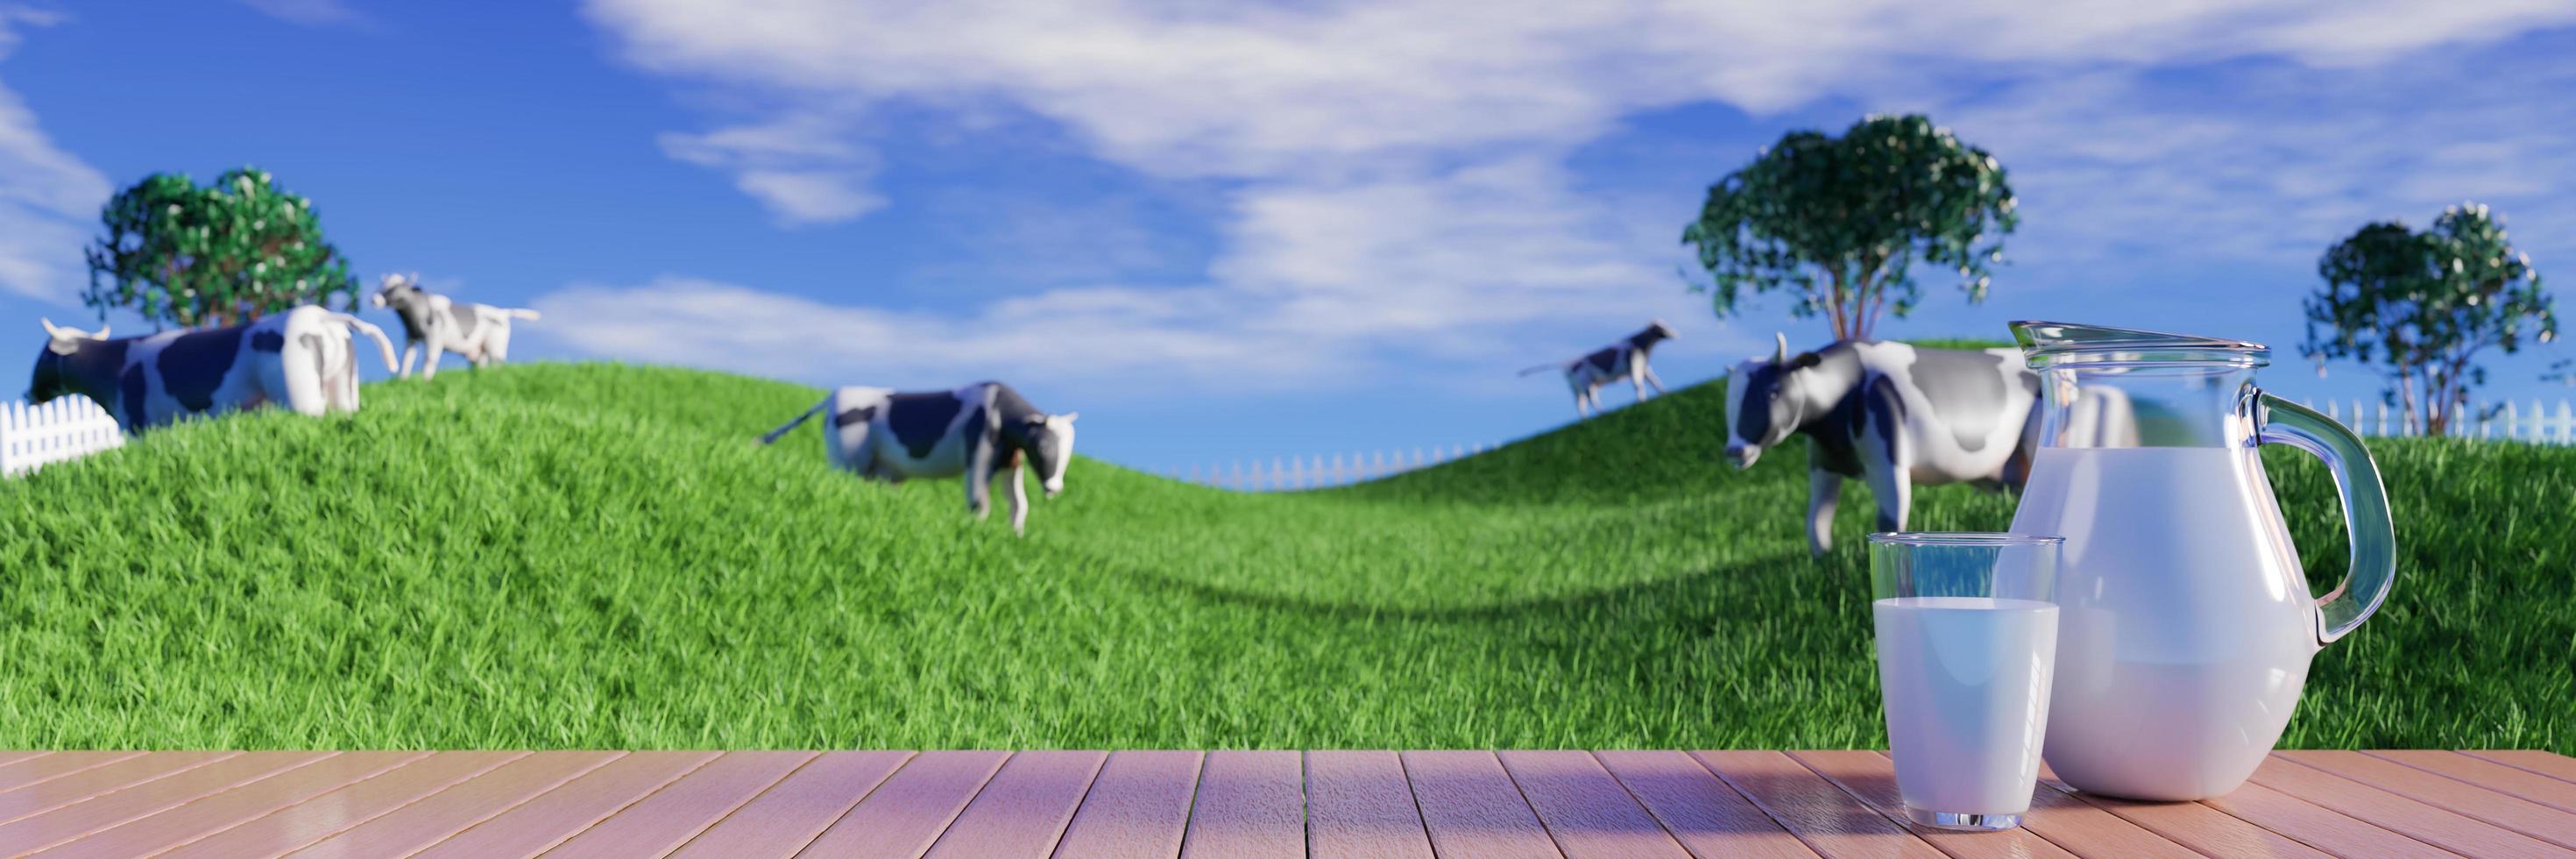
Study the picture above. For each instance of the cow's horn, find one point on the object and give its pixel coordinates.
(1782, 356)
(50, 330)
(102, 332)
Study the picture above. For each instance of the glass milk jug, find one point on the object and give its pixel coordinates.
(2185, 624)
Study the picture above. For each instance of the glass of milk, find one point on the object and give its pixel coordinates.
(1967, 635)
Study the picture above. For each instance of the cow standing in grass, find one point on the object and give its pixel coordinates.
(978, 431)
(1891, 414)
(300, 359)
(1625, 359)
(439, 325)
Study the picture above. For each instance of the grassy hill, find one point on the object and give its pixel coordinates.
(599, 556)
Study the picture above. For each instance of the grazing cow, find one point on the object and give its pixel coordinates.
(480, 332)
(1624, 359)
(1891, 414)
(300, 359)
(978, 431)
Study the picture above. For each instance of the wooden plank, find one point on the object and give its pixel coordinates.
(2317, 826)
(52, 765)
(109, 809)
(2207, 830)
(435, 817)
(2425, 823)
(2489, 774)
(2494, 807)
(1709, 818)
(73, 787)
(2555, 766)
(2086, 830)
(1871, 778)
(787, 816)
(1250, 804)
(1829, 820)
(907, 813)
(1471, 807)
(1138, 806)
(10, 756)
(1584, 808)
(1358, 805)
(668, 818)
(541, 823)
(320, 816)
(1023, 811)
(219, 811)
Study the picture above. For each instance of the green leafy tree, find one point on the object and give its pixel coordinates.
(1841, 221)
(227, 253)
(2562, 371)
(2418, 308)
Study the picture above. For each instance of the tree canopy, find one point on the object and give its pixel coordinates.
(2419, 308)
(1841, 221)
(229, 252)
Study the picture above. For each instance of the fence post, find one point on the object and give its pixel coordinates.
(2566, 423)
(2383, 417)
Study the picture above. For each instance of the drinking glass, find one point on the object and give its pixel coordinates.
(1967, 638)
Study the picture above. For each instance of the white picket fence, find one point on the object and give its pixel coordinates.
(67, 428)
(2510, 420)
(1318, 471)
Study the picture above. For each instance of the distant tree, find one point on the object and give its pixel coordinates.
(1841, 221)
(189, 256)
(2419, 307)
(2563, 371)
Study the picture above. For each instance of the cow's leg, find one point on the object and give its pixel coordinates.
(1019, 500)
(411, 348)
(496, 346)
(1637, 378)
(979, 478)
(1651, 380)
(436, 349)
(1887, 467)
(1824, 491)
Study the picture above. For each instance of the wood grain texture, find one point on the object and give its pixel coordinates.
(105, 810)
(2440, 828)
(2494, 807)
(913, 808)
(1022, 812)
(1472, 808)
(53, 793)
(2317, 826)
(2555, 766)
(1359, 806)
(2207, 830)
(1251, 804)
(783, 819)
(1830, 821)
(541, 823)
(51, 765)
(217, 812)
(1871, 778)
(1708, 817)
(2488, 774)
(669, 817)
(322, 815)
(1586, 811)
(1138, 806)
(435, 817)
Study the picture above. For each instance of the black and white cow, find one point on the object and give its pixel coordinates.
(1891, 414)
(480, 332)
(300, 359)
(1625, 359)
(979, 431)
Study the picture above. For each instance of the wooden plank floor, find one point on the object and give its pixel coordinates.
(1229, 804)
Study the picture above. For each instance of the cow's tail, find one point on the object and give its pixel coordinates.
(1540, 367)
(520, 313)
(378, 334)
(809, 413)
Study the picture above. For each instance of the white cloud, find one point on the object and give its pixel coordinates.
(309, 12)
(48, 197)
(1396, 171)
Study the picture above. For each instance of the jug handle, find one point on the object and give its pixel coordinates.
(2365, 510)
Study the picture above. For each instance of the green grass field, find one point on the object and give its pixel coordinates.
(598, 556)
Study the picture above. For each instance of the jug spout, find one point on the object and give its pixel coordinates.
(2057, 344)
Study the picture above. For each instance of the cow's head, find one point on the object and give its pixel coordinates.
(1765, 402)
(396, 292)
(1657, 332)
(1050, 448)
(49, 381)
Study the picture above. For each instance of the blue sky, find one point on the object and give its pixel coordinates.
(1234, 230)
